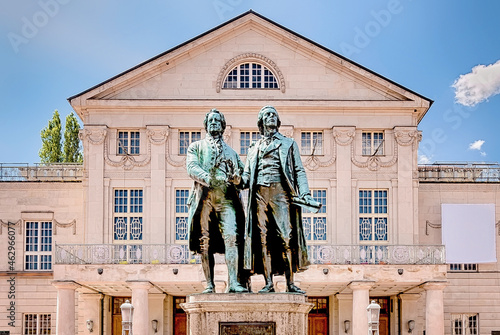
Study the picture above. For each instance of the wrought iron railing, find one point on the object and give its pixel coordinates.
(460, 172)
(179, 254)
(41, 172)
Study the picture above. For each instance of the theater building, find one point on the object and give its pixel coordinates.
(80, 240)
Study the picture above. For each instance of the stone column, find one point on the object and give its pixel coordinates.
(434, 308)
(92, 310)
(409, 311)
(360, 300)
(140, 301)
(65, 324)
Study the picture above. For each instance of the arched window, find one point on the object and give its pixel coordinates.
(250, 75)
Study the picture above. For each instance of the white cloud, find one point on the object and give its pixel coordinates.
(478, 85)
(483, 153)
(476, 145)
(423, 159)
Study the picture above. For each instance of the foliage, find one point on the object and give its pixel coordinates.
(72, 147)
(51, 141)
(52, 144)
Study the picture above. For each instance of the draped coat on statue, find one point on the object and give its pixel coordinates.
(295, 182)
(200, 161)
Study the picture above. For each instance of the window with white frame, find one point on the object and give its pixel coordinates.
(250, 75)
(373, 215)
(246, 139)
(38, 246)
(128, 143)
(314, 224)
(311, 143)
(468, 267)
(464, 324)
(186, 138)
(127, 215)
(181, 214)
(373, 143)
(37, 324)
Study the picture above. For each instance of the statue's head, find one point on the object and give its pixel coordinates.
(222, 119)
(260, 119)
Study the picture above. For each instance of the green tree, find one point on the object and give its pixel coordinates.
(51, 141)
(72, 147)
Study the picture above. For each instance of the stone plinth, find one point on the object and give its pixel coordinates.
(247, 313)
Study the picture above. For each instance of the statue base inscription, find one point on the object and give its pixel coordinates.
(247, 314)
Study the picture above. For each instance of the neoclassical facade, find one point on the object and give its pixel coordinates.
(81, 240)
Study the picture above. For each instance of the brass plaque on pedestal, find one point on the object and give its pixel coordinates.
(247, 328)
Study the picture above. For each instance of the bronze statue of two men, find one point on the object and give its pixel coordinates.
(270, 240)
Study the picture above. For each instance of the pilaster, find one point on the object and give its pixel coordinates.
(65, 324)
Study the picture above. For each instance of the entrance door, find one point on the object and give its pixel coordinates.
(179, 316)
(116, 326)
(318, 316)
(383, 321)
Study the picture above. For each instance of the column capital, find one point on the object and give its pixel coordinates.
(434, 285)
(361, 285)
(65, 284)
(341, 296)
(139, 284)
(409, 296)
(92, 296)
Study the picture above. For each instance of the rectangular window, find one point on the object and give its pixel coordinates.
(465, 324)
(315, 224)
(38, 246)
(181, 215)
(463, 267)
(127, 215)
(186, 138)
(37, 324)
(373, 215)
(128, 143)
(373, 143)
(311, 143)
(246, 139)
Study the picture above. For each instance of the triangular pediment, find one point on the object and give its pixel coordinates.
(196, 69)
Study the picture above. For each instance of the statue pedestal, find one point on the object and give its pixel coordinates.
(247, 314)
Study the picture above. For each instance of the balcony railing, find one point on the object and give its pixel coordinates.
(179, 254)
(41, 172)
(460, 172)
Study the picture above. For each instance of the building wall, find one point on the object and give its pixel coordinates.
(31, 291)
(468, 292)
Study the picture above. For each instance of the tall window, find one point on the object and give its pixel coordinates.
(127, 215)
(186, 138)
(38, 246)
(373, 143)
(464, 324)
(250, 75)
(128, 142)
(247, 138)
(315, 224)
(181, 215)
(37, 324)
(311, 142)
(373, 215)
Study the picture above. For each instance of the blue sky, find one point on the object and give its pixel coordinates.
(447, 50)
